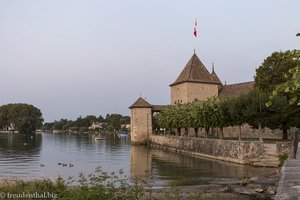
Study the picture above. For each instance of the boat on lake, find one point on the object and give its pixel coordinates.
(100, 138)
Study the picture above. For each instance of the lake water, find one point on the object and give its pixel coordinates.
(39, 156)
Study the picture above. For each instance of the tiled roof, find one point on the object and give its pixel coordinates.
(195, 71)
(215, 77)
(235, 89)
(141, 103)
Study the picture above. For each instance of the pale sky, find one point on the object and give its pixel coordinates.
(79, 57)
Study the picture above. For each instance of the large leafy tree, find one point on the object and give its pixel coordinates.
(256, 110)
(290, 89)
(25, 118)
(281, 115)
(271, 72)
(278, 77)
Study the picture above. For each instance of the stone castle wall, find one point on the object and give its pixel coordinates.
(233, 132)
(249, 132)
(228, 150)
(189, 92)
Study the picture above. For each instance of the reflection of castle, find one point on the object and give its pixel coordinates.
(140, 162)
(163, 167)
(195, 83)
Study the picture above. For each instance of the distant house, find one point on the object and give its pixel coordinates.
(11, 127)
(96, 125)
(125, 126)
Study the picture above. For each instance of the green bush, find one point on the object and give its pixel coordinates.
(97, 185)
(282, 158)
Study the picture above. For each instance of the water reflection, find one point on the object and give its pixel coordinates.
(140, 162)
(19, 154)
(169, 168)
(188, 170)
(21, 157)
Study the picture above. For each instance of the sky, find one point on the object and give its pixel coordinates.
(73, 58)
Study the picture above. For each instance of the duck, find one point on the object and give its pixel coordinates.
(42, 165)
(59, 163)
(71, 165)
(64, 165)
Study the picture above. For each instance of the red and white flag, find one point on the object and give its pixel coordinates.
(195, 29)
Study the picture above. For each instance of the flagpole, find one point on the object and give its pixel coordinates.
(195, 34)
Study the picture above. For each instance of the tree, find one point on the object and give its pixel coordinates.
(60, 125)
(290, 89)
(90, 119)
(125, 120)
(100, 119)
(281, 115)
(270, 73)
(237, 106)
(25, 118)
(224, 115)
(48, 126)
(113, 122)
(4, 123)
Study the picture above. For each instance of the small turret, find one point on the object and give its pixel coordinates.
(141, 121)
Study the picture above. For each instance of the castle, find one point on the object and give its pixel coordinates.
(194, 83)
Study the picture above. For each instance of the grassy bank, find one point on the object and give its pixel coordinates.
(98, 185)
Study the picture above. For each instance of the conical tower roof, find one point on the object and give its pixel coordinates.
(195, 71)
(215, 76)
(140, 103)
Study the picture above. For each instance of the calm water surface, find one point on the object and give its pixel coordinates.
(22, 156)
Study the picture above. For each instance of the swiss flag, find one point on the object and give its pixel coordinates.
(195, 29)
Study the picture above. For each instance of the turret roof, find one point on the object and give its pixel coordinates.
(215, 77)
(140, 103)
(195, 71)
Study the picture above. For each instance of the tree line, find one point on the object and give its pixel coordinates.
(273, 103)
(22, 117)
(112, 122)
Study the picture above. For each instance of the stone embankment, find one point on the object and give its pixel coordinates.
(243, 152)
(289, 183)
(269, 158)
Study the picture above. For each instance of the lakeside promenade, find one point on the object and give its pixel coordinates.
(289, 183)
